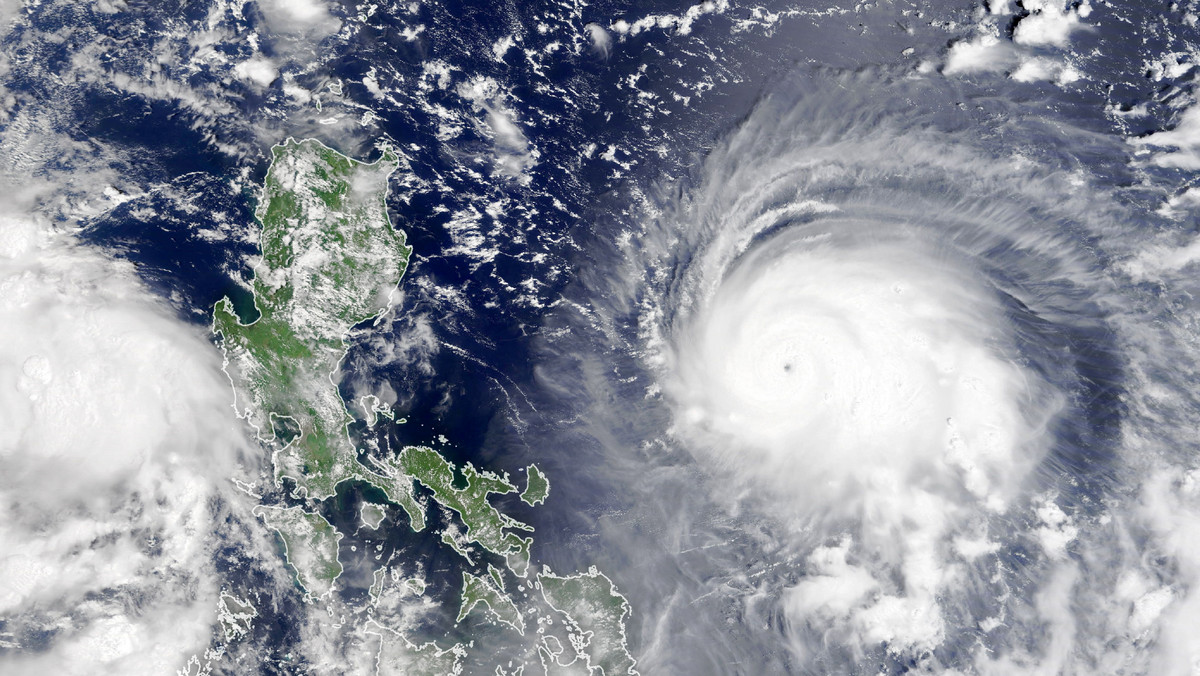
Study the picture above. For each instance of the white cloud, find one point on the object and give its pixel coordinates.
(1180, 146)
(300, 16)
(1156, 261)
(1057, 531)
(986, 53)
(601, 40)
(9, 10)
(899, 399)
(1048, 24)
(514, 155)
(832, 587)
(116, 436)
(396, 340)
(681, 23)
(1169, 509)
(501, 47)
(1035, 69)
(259, 70)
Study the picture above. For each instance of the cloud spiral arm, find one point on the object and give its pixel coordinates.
(884, 332)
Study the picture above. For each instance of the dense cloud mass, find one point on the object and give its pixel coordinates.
(916, 390)
(870, 340)
(119, 445)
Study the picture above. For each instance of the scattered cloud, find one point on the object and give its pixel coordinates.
(1178, 147)
(1028, 56)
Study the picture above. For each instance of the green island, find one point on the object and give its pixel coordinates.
(485, 524)
(596, 615)
(310, 546)
(235, 616)
(330, 261)
(477, 590)
(537, 487)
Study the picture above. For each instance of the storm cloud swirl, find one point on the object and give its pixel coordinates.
(898, 346)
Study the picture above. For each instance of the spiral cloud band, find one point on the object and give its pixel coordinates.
(887, 337)
(858, 371)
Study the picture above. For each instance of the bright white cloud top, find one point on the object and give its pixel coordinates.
(879, 337)
(118, 444)
(829, 366)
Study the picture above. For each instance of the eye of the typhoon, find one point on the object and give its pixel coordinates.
(827, 363)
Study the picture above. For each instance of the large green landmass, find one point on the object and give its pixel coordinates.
(595, 616)
(478, 590)
(310, 545)
(330, 261)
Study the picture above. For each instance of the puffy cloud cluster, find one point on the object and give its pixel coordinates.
(1178, 147)
(309, 17)
(1033, 51)
(514, 154)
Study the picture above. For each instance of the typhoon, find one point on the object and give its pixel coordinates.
(902, 396)
(892, 338)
